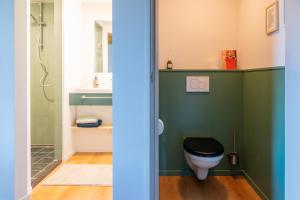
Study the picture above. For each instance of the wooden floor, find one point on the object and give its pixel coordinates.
(77, 192)
(171, 187)
(214, 188)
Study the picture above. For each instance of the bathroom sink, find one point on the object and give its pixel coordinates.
(93, 90)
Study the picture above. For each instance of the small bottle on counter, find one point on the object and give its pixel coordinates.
(96, 81)
(169, 64)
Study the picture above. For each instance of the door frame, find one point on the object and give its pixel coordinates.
(292, 99)
(22, 99)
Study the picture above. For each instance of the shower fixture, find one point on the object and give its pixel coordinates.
(40, 47)
(39, 22)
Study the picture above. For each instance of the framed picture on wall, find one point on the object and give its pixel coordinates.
(272, 18)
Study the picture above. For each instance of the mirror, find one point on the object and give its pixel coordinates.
(103, 46)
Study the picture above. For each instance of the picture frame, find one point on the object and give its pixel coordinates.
(272, 18)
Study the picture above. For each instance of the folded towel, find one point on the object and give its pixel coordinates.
(90, 125)
(84, 120)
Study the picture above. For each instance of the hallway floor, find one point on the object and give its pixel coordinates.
(171, 187)
(41, 192)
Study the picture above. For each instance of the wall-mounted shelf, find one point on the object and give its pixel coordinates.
(102, 127)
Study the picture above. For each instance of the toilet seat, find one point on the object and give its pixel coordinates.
(205, 147)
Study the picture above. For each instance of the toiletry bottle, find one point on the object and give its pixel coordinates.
(96, 81)
(169, 64)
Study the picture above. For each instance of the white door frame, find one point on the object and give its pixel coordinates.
(22, 100)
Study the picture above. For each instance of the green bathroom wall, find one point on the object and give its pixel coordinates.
(250, 101)
(214, 114)
(43, 113)
(264, 118)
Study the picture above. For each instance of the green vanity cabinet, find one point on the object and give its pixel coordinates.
(90, 99)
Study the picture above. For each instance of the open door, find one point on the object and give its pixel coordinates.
(135, 100)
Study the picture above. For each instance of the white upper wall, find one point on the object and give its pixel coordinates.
(72, 21)
(92, 12)
(192, 33)
(255, 48)
(78, 55)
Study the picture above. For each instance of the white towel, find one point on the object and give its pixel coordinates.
(86, 120)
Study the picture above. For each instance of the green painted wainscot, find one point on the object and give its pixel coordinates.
(90, 99)
(250, 102)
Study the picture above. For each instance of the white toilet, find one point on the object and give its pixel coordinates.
(202, 154)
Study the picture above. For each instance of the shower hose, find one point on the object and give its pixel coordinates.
(43, 79)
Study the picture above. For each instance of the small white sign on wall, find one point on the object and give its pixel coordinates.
(197, 84)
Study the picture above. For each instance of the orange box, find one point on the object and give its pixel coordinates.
(229, 59)
(231, 63)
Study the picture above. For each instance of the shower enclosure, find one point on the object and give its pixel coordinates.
(45, 72)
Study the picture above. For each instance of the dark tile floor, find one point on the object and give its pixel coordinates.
(42, 162)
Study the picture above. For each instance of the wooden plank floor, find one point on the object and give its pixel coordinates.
(171, 187)
(214, 188)
(77, 192)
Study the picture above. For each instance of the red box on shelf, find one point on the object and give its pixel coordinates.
(229, 59)
(231, 63)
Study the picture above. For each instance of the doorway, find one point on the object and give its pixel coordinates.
(130, 138)
(86, 103)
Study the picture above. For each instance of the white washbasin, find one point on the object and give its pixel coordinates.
(93, 90)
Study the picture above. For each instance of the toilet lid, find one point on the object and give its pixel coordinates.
(206, 147)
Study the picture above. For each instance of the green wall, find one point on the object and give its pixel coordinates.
(214, 114)
(43, 113)
(250, 101)
(264, 115)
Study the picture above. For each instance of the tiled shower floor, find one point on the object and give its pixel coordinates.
(42, 162)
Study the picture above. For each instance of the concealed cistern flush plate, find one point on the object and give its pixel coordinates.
(197, 83)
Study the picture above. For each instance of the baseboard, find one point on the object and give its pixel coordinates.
(191, 173)
(26, 197)
(68, 156)
(255, 187)
(29, 189)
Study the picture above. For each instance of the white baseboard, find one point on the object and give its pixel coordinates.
(68, 156)
(26, 197)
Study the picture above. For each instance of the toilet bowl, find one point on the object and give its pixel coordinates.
(202, 154)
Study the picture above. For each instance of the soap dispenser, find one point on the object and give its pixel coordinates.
(96, 81)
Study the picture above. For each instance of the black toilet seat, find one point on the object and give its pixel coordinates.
(205, 147)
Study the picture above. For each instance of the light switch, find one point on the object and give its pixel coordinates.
(197, 83)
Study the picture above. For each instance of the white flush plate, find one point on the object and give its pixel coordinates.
(197, 83)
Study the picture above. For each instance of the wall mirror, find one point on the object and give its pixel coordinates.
(103, 46)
